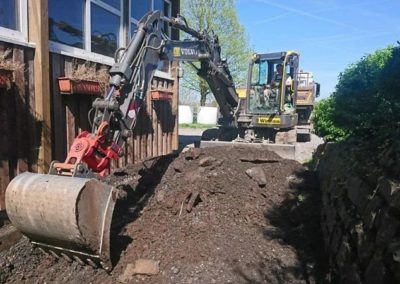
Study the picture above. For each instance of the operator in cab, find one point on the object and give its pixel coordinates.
(276, 82)
(278, 75)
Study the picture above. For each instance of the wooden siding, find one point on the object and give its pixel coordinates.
(156, 131)
(21, 134)
(18, 127)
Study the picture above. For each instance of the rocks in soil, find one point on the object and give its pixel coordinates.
(361, 211)
(146, 267)
(207, 161)
(141, 267)
(193, 154)
(258, 175)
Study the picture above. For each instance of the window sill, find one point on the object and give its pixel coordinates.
(74, 52)
(66, 50)
(16, 41)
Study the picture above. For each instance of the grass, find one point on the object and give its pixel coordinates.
(196, 125)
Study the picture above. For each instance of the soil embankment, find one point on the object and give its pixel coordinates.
(215, 215)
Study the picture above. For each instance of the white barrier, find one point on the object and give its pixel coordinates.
(185, 114)
(207, 115)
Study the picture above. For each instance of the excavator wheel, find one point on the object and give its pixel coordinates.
(68, 217)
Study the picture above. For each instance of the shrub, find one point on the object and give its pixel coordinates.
(366, 100)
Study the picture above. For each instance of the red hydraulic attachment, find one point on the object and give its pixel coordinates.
(91, 149)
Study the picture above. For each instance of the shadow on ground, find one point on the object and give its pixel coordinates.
(296, 223)
(134, 194)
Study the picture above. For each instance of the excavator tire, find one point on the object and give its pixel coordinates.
(68, 217)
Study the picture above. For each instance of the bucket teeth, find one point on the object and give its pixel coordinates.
(105, 266)
(53, 253)
(66, 257)
(80, 261)
(91, 263)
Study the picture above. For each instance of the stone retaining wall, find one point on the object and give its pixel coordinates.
(361, 212)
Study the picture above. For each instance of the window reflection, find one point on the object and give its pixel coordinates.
(66, 22)
(105, 31)
(113, 3)
(8, 14)
(133, 29)
(140, 8)
(167, 13)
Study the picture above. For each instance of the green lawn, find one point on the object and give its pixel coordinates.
(196, 125)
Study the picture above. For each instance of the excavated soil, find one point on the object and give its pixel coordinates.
(202, 219)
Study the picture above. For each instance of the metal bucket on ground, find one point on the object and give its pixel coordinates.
(66, 216)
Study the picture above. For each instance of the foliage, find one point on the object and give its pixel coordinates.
(91, 72)
(323, 121)
(220, 17)
(366, 100)
(7, 63)
(197, 125)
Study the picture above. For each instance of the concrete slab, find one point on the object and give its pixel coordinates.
(285, 151)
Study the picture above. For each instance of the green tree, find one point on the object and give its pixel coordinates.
(220, 17)
(366, 101)
(357, 95)
(323, 121)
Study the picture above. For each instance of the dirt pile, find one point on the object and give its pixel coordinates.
(231, 215)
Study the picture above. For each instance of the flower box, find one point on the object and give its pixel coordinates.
(71, 86)
(161, 95)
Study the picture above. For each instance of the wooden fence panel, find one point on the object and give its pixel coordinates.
(17, 119)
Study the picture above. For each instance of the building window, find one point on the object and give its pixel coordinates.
(105, 30)
(138, 8)
(83, 27)
(13, 19)
(167, 13)
(95, 29)
(66, 22)
(9, 14)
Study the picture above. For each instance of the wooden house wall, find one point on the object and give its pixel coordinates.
(20, 133)
(156, 129)
(18, 128)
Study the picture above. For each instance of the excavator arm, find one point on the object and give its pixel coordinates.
(130, 77)
(68, 212)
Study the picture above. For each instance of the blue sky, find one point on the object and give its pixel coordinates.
(329, 34)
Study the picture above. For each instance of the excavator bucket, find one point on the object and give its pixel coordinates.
(68, 217)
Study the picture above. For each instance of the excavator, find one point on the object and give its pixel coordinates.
(68, 212)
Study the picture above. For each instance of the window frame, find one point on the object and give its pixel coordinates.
(86, 52)
(169, 14)
(132, 20)
(20, 35)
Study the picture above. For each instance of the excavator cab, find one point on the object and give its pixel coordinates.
(269, 103)
(272, 83)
